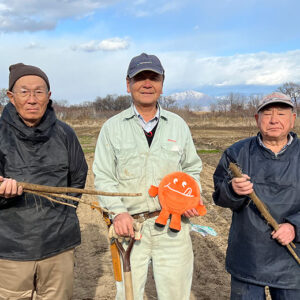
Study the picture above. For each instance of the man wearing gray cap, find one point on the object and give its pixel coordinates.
(256, 255)
(37, 237)
(135, 150)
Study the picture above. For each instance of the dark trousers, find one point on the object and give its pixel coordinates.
(241, 290)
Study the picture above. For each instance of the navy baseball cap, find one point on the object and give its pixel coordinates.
(145, 62)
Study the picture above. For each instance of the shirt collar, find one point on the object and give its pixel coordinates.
(147, 126)
(130, 112)
(156, 117)
(290, 140)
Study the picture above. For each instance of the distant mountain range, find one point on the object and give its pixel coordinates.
(192, 99)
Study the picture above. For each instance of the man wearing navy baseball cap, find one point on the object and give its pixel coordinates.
(145, 62)
(135, 150)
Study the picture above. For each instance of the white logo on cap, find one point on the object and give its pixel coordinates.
(145, 62)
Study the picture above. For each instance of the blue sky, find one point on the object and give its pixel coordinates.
(215, 47)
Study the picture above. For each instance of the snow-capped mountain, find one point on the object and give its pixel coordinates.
(193, 99)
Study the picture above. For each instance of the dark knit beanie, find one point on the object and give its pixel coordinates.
(19, 70)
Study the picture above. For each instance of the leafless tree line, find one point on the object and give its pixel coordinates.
(241, 105)
(232, 104)
(235, 103)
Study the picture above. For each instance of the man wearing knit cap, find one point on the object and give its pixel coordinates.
(37, 237)
(135, 150)
(257, 255)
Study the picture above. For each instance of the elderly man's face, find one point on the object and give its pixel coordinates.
(275, 122)
(145, 88)
(30, 97)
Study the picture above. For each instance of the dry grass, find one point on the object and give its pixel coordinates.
(209, 131)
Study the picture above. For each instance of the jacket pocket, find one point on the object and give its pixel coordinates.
(129, 164)
(169, 160)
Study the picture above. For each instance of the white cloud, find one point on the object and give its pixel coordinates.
(187, 71)
(35, 15)
(4, 8)
(78, 76)
(111, 44)
(15, 24)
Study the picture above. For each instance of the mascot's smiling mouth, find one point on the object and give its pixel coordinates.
(186, 193)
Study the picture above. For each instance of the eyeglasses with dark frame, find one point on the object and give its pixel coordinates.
(39, 94)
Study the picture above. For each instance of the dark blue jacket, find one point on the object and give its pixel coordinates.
(252, 255)
(32, 227)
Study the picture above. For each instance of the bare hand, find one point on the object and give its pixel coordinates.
(9, 188)
(123, 224)
(191, 213)
(242, 185)
(285, 234)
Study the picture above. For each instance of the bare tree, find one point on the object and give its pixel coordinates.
(3, 98)
(112, 103)
(232, 104)
(223, 105)
(61, 108)
(236, 102)
(292, 89)
(104, 104)
(213, 107)
(122, 102)
(167, 102)
(253, 103)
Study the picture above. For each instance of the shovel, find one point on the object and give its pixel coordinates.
(126, 267)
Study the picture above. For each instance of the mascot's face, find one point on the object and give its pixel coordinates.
(182, 188)
(179, 187)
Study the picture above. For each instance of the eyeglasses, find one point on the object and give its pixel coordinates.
(25, 94)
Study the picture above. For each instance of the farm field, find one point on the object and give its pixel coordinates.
(93, 270)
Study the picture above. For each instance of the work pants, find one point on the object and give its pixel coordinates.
(50, 278)
(241, 290)
(172, 259)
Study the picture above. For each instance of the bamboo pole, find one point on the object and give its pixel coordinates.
(263, 210)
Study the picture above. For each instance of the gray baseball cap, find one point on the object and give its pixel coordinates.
(145, 62)
(275, 97)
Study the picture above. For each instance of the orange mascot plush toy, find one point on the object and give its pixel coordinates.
(177, 192)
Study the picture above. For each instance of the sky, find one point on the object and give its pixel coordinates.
(214, 47)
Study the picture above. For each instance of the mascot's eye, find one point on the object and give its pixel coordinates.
(175, 180)
(184, 184)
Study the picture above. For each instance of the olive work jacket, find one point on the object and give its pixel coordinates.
(252, 255)
(32, 227)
